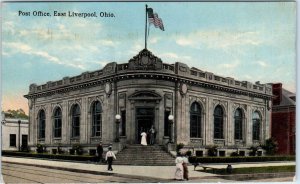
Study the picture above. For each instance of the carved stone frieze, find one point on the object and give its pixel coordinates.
(238, 105)
(110, 68)
(199, 99)
(74, 101)
(220, 102)
(183, 88)
(145, 60)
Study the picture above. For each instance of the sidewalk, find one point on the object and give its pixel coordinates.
(161, 172)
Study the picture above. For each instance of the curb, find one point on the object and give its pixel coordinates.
(243, 177)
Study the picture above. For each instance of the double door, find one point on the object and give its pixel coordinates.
(144, 121)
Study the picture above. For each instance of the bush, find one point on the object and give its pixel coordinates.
(78, 149)
(253, 150)
(212, 151)
(188, 153)
(179, 147)
(49, 156)
(24, 148)
(240, 159)
(234, 154)
(59, 150)
(39, 148)
(270, 146)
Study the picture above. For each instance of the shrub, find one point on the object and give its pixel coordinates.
(24, 148)
(270, 146)
(78, 149)
(59, 150)
(234, 154)
(212, 151)
(188, 153)
(39, 148)
(194, 159)
(179, 147)
(253, 150)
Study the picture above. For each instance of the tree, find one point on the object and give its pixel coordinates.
(19, 113)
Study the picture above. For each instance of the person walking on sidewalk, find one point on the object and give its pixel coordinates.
(179, 167)
(100, 152)
(185, 167)
(110, 156)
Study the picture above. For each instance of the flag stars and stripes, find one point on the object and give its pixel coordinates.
(155, 20)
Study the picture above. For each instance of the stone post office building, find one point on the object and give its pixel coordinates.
(208, 109)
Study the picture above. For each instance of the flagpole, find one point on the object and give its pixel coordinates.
(146, 29)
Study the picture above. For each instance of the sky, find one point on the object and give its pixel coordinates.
(249, 41)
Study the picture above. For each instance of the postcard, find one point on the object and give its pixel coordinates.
(98, 92)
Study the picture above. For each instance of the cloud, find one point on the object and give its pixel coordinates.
(170, 56)
(18, 47)
(154, 40)
(262, 63)
(232, 65)
(219, 39)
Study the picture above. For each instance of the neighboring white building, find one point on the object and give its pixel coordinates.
(11, 131)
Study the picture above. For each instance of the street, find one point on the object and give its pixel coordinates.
(16, 173)
(19, 173)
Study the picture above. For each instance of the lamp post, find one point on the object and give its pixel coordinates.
(19, 122)
(118, 118)
(3, 121)
(171, 120)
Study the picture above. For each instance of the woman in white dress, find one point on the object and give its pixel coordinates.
(144, 140)
(179, 167)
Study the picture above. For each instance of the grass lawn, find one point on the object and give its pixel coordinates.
(251, 170)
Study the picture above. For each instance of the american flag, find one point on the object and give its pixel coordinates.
(155, 20)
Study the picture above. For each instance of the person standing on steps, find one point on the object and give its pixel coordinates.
(110, 156)
(144, 138)
(152, 132)
(100, 152)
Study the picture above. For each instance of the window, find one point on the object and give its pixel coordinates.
(24, 140)
(167, 124)
(57, 123)
(42, 120)
(195, 120)
(238, 124)
(218, 122)
(96, 119)
(256, 125)
(76, 121)
(12, 140)
(123, 123)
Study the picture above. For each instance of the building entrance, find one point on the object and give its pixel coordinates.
(144, 121)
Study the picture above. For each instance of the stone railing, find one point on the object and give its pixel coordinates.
(167, 68)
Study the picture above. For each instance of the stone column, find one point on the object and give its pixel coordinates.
(48, 124)
(64, 127)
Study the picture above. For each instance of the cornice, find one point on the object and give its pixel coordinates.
(156, 75)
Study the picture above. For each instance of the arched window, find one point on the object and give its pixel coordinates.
(75, 121)
(238, 124)
(195, 120)
(256, 125)
(96, 119)
(218, 122)
(42, 124)
(57, 123)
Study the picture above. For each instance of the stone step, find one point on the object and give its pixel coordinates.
(144, 155)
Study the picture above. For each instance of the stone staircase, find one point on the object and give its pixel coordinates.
(151, 155)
